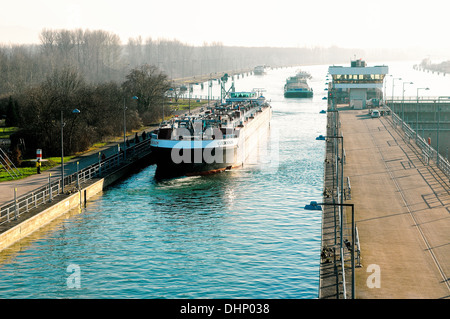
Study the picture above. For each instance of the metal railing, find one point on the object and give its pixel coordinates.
(45, 194)
(428, 152)
(339, 192)
(422, 99)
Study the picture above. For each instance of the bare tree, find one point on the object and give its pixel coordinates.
(149, 84)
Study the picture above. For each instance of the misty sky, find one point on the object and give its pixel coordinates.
(286, 23)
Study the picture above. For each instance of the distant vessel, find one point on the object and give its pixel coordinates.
(259, 70)
(297, 86)
(303, 75)
(217, 139)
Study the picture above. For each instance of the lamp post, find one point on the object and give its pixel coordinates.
(189, 88)
(209, 87)
(384, 90)
(125, 126)
(316, 206)
(340, 197)
(417, 110)
(403, 100)
(75, 111)
(393, 81)
(438, 124)
(342, 165)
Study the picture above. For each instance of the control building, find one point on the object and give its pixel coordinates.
(359, 86)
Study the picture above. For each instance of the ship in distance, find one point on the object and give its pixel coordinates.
(297, 86)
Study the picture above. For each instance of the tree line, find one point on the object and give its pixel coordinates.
(426, 64)
(41, 110)
(100, 57)
(92, 70)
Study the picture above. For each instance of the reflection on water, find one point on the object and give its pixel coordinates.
(239, 234)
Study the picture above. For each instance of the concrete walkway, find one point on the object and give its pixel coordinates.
(402, 209)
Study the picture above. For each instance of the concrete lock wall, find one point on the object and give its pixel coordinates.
(31, 224)
(61, 207)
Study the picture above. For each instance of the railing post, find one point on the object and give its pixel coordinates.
(99, 165)
(336, 271)
(15, 204)
(344, 290)
(50, 187)
(78, 175)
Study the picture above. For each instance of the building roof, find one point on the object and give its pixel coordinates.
(379, 69)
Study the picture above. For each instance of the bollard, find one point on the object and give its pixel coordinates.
(39, 154)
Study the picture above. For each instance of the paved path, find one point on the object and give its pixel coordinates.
(402, 209)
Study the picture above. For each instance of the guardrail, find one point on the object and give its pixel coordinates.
(45, 194)
(428, 152)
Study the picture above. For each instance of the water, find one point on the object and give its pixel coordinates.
(239, 234)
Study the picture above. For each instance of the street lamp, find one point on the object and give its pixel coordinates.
(342, 163)
(164, 98)
(393, 81)
(437, 130)
(125, 127)
(403, 100)
(189, 88)
(340, 197)
(384, 91)
(75, 111)
(417, 110)
(316, 206)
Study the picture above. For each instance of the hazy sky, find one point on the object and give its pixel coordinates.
(288, 23)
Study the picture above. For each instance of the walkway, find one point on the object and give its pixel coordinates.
(402, 208)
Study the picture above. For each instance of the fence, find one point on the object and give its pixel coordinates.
(428, 152)
(338, 158)
(45, 194)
